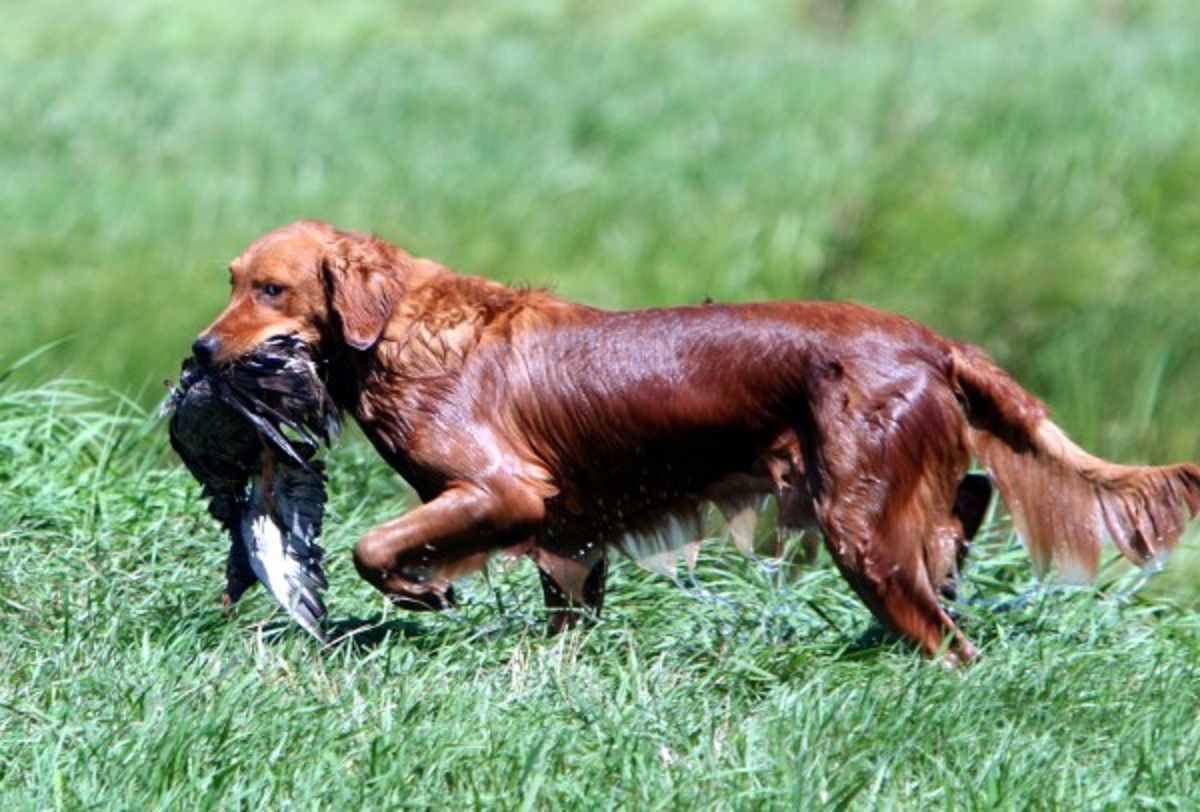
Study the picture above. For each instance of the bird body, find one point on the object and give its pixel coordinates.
(249, 433)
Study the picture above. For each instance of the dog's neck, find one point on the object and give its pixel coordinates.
(438, 323)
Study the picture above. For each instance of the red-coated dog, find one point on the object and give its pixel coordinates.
(537, 426)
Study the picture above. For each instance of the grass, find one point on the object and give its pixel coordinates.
(1021, 175)
(122, 685)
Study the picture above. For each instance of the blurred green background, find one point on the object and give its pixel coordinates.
(1022, 175)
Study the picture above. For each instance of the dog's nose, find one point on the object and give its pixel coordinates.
(205, 349)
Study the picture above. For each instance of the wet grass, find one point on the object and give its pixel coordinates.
(1022, 176)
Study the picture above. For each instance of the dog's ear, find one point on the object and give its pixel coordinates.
(361, 290)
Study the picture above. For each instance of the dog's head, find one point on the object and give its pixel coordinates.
(329, 288)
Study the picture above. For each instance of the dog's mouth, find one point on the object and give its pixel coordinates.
(274, 347)
(278, 387)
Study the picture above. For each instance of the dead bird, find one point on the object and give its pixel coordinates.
(249, 432)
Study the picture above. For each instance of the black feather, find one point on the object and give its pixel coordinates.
(272, 400)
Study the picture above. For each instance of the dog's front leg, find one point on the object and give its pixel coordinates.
(573, 584)
(412, 558)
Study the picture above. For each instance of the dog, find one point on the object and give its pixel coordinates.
(536, 426)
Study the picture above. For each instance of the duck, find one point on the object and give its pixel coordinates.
(250, 432)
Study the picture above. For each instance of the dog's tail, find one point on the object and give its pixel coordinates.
(1064, 501)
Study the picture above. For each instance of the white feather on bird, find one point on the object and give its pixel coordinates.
(231, 427)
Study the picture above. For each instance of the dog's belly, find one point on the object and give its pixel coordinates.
(655, 503)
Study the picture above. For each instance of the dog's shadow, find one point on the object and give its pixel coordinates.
(1022, 615)
(360, 635)
(356, 634)
(348, 634)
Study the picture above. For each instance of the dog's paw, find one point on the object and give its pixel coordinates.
(418, 592)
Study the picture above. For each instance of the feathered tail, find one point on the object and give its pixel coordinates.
(1064, 501)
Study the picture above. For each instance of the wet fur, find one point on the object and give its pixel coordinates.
(541, 427)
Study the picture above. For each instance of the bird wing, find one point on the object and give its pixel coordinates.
(249, 433)
(279, 526)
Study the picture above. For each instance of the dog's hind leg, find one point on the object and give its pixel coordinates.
(971, 502)
(794, 515)
(882, 479)
(883, 562)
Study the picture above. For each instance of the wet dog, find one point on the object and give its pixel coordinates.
(534, 425)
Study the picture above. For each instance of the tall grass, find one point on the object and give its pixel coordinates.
(122, 685)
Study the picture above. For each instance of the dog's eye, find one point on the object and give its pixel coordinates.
(272, 290)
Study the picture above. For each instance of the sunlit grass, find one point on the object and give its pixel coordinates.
(122, 685)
